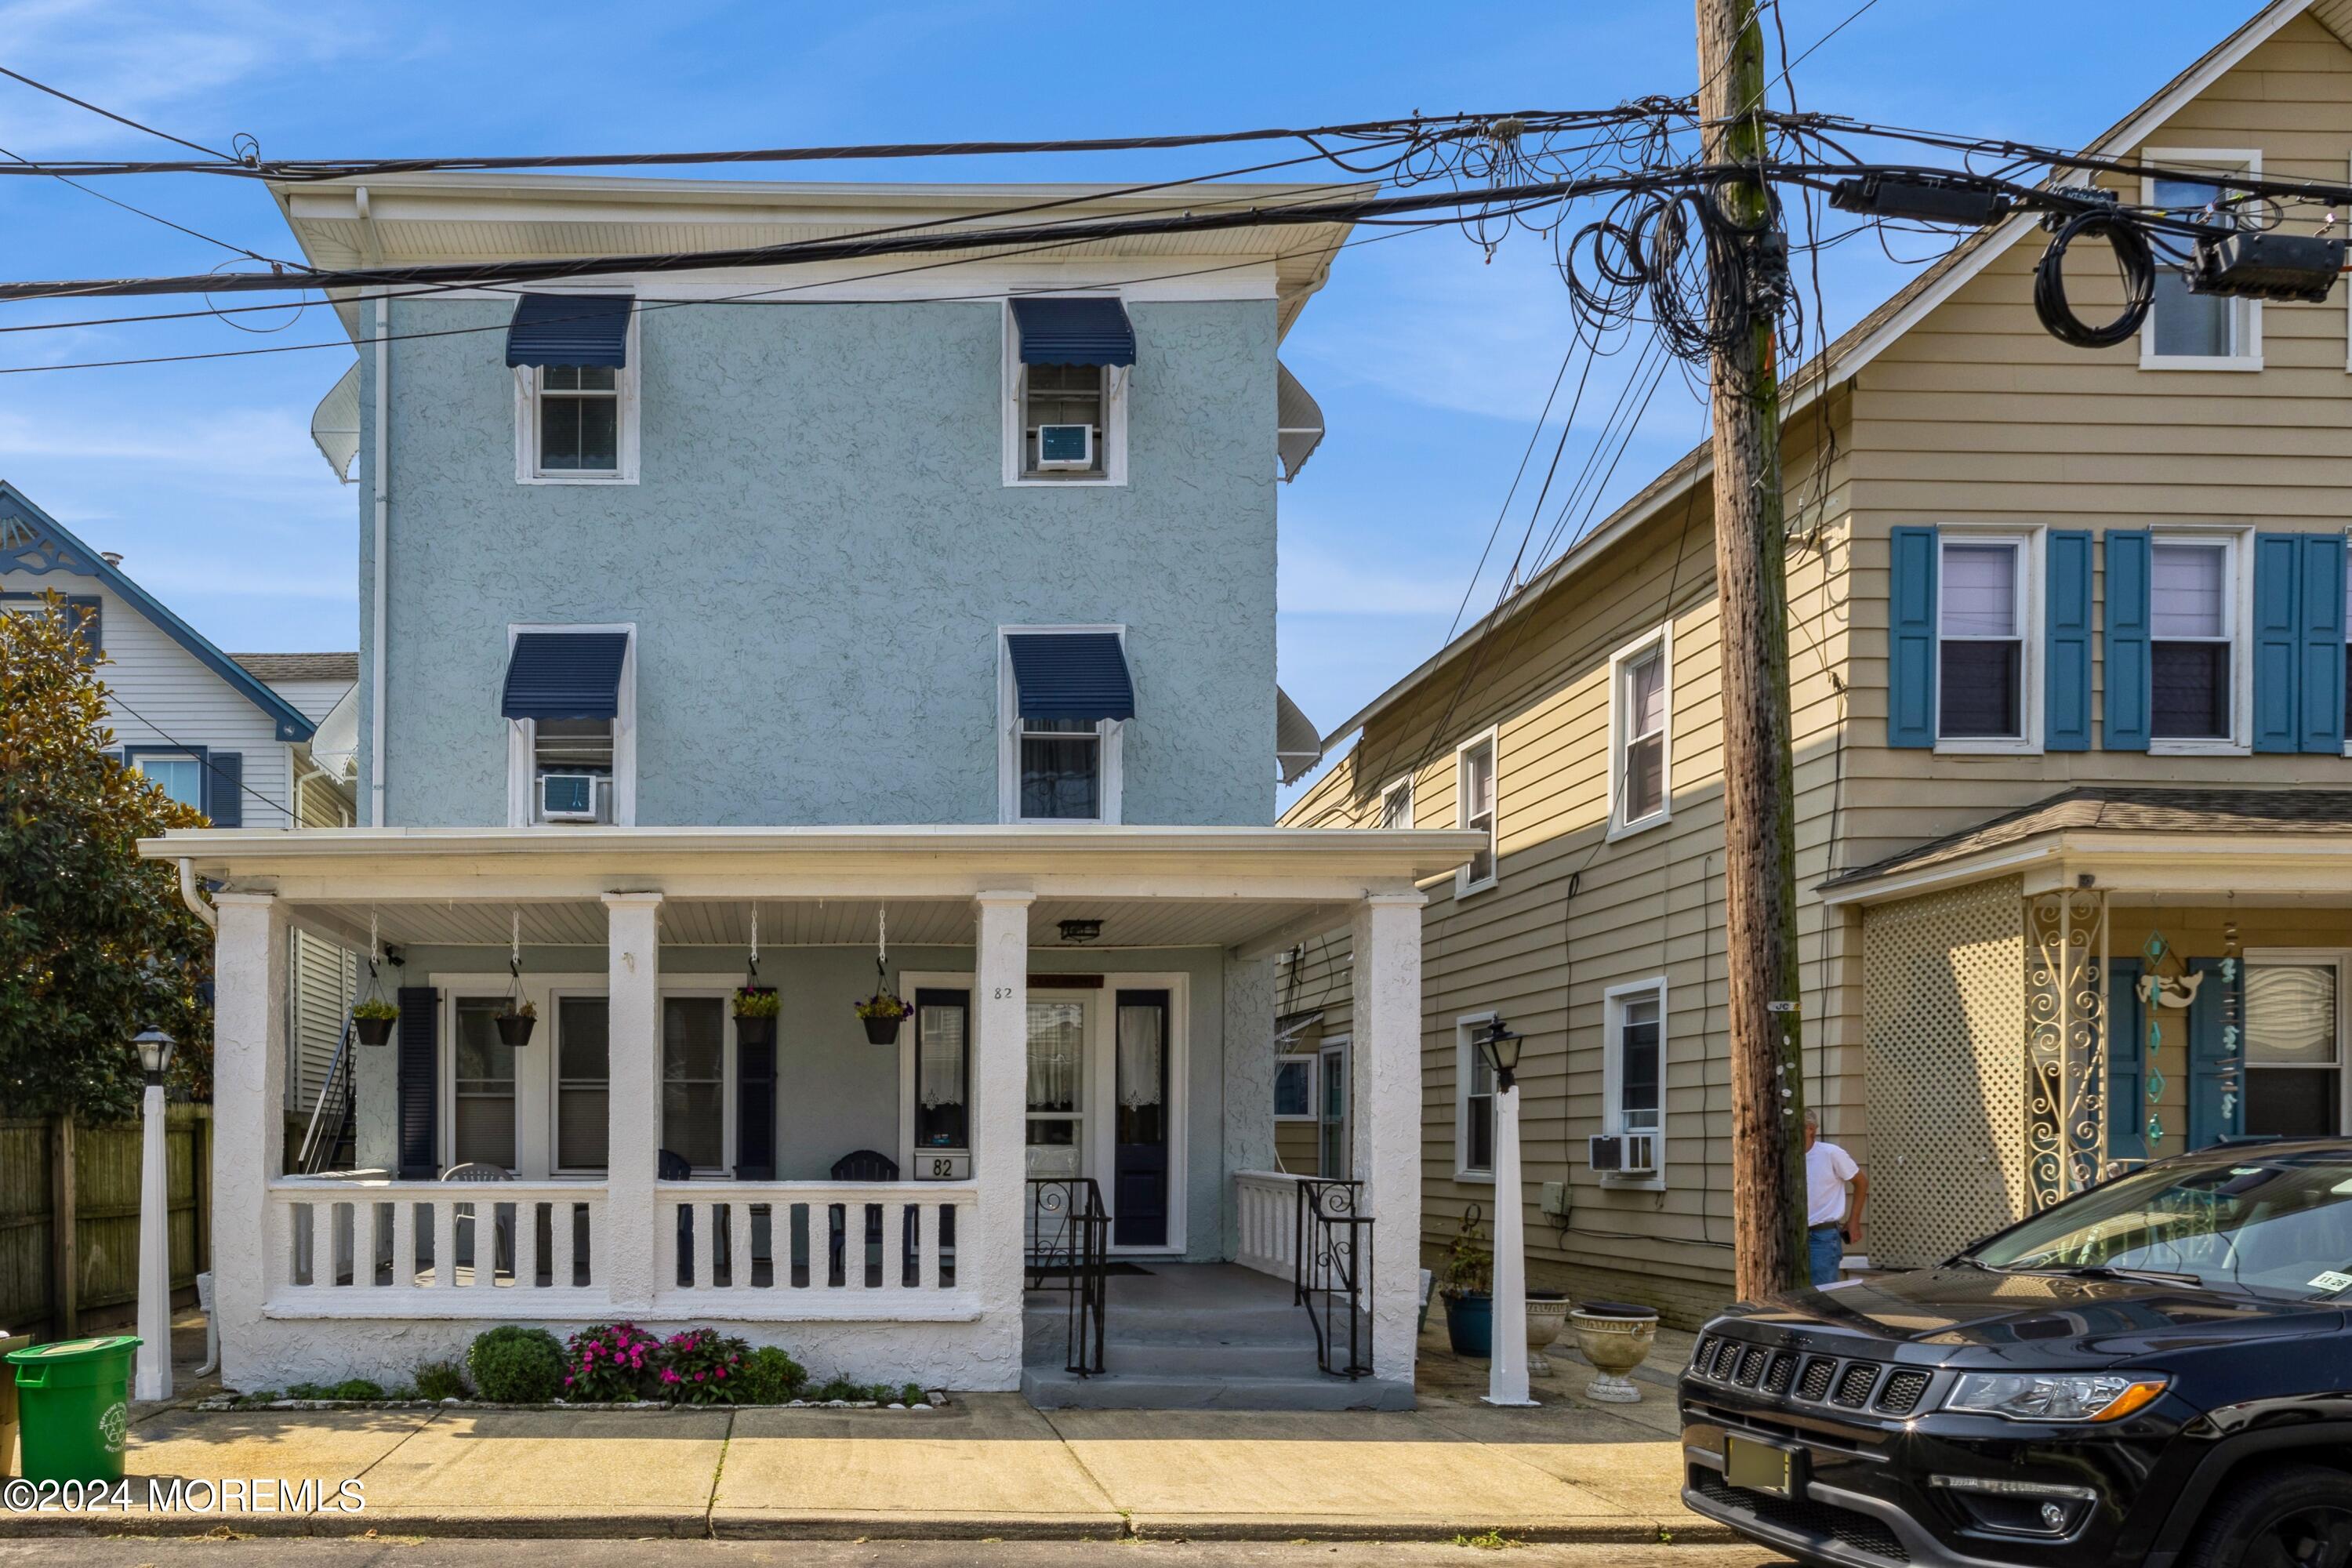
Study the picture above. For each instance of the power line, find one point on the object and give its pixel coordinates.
(118, 119)
(151, 218)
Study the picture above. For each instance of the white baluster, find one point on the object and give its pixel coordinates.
(525, 1259)
(705, 1250)
(403, 1242)
(894, 1231)
(559, 1245)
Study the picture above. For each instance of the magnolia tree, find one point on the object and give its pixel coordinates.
(95, 944)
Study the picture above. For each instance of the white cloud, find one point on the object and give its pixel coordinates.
(1315, 580)
(238, 445)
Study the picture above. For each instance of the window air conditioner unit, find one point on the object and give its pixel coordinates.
(1065, 446)
(572, 797)
(1623, 1154)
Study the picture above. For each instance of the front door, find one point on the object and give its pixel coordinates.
(1139, 1112)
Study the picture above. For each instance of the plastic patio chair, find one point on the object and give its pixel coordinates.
(501, 1236)
(862, 1165)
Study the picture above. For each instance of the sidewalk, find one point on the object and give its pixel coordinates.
(989, 1465)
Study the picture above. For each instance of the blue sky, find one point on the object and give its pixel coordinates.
(1429, 361)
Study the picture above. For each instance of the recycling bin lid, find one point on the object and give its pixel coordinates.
(75, 1350)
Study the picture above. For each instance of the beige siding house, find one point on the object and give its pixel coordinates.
(2075, 836)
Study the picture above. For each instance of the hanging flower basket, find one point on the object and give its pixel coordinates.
(756, 1007)
(882, 1012)
(373, 1022)
(515, 1026)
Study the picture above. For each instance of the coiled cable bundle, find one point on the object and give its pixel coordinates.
(2135, 261)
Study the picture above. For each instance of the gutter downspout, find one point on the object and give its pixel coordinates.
(382, 532)
(190, 897)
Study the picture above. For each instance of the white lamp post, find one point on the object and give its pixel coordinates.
(1507, 1366)
(154, 1367)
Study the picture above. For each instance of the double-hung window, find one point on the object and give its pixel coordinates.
(1639, 686)
(570, 696)
(1983, 647)
(579, 419)
(176, 774)
(2193, 618)
(2199, 331)
(574, 358)
(1474, 808)
(1294, 1089)
(1064, 700)
(1474, 1102)
(1067, 359)
(1633, 1019)
(483, 1086)
(583, 1082)
(2294, 1045)
(694, 1080)
(1396, 804)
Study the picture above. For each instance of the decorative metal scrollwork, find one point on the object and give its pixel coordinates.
(2066, 1057)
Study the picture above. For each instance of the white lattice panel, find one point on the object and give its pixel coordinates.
(1943, 983)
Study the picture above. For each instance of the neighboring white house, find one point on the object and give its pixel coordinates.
(250, 740)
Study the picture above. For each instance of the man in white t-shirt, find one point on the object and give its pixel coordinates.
(1831, 1223)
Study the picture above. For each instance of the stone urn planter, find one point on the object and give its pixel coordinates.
(1615, 1338)
(1547, 1316)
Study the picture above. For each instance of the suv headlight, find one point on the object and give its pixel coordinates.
(2053, 1397)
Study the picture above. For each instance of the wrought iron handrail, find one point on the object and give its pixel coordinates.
(1332, 1275)
(1069, 1251)
(337, 1092)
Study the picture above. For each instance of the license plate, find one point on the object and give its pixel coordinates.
(1757, 1466)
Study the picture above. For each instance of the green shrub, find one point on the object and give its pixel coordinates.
(514, 1365)
(439, 1380)
(356, 1388)
(840, 1388)
(768, 1376)
(913, 1394)
(310, 1391)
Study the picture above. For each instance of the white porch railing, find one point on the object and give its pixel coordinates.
(1269, 1222)
(881, 1251)
(385, 1248)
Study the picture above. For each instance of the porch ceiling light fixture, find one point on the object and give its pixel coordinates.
(1080, 933)
(1500, 1046)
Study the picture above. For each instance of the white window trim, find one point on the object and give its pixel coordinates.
(1466, 1051)
(2241, 600)
(522, 739)
(1312, 1062)
(909, 984)
(2341, 958)
(2032, 552)
(1612, 1074)
(2250, 346)
(1115, 399)
(1344, 1046)
(1404, 785)
(1620, 824)
(626, 383)
(1490, 738)
(1112, 731)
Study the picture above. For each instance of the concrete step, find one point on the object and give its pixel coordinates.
(1189, 1361)
(1054, 1389)
(1289, 1329)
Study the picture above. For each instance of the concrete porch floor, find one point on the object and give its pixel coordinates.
(990, 1466)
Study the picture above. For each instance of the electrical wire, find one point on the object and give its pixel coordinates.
(2135, 261)
(118, 119)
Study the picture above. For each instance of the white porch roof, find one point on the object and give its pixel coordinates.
(1255, 888)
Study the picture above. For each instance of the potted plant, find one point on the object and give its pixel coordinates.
(515, 1023)
(882, 1012)
(372, 1020)
(1469, 1290)
(756, 1007)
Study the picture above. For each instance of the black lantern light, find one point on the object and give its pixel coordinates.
(1500, 1046)
(155, 1048)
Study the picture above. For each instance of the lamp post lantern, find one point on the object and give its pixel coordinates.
(153, 1379)
(1506, 1367)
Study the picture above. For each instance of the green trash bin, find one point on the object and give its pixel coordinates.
(74, 1399)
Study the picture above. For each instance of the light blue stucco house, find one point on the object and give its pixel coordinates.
(892, 628)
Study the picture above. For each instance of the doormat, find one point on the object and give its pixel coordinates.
(1063, 1270)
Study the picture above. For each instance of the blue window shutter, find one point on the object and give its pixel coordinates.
(2217, 1105)
(2067, 663)
(2126, 1062)
(2319, 679)
(2275, 642)
(2124, 714)
(224, 789)
(418, 1070)
(1911, 638)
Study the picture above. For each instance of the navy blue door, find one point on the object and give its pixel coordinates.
(1139, 1143)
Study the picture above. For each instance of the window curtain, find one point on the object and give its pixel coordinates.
(1057, 1043)
(1142, 1055)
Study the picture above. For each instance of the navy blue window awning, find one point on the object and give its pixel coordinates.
(565, 674)
(1071, 675)
(570, 330)
(1074, 331)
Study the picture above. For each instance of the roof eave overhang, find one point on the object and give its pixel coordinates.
(2177, 865)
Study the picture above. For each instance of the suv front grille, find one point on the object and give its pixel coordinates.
(1784, 1367)
(1812, 1521)
(1752, 1366)
(1901, 1394)
(1854, 1384)
(1726, 1356)
(1815, 1386)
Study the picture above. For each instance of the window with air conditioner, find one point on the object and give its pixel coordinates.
(570, 700)
(1632, 1071)
(572, 769)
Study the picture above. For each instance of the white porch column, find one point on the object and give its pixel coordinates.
(999, 1100)
(623, 1254)
(1384, 1086)
(249, 947)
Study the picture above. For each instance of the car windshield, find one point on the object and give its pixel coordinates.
(2273, 1224)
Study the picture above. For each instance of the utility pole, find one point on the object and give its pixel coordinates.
(1751, 574)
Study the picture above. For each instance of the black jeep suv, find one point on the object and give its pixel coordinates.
(2155, 1372)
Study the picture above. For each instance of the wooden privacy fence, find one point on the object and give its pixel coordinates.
(70, 1215)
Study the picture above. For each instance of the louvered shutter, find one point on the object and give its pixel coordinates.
(2319, 675)
(2124, 713)
(1911, 638)
(419, 1070)
(2066, 643)
(2276, 642)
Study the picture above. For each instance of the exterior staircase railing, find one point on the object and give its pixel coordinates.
(1332, 1276)
(334, 1119)
(1069, 1251)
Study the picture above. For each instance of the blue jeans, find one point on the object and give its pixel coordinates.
(1826, 1247)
